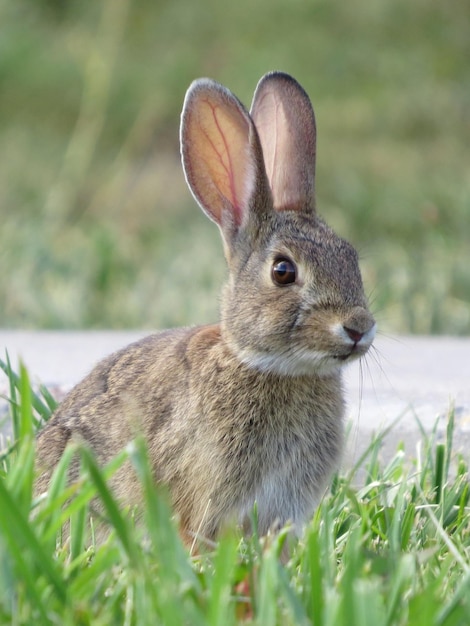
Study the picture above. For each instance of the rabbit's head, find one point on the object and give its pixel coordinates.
(294, 302)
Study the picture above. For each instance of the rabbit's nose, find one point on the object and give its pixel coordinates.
(354, 334)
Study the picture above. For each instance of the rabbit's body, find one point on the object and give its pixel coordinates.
(250, 410)
(257, 436)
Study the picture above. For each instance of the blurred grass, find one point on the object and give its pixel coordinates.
(97, 228)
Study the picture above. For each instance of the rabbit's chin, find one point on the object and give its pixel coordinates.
(296, 363)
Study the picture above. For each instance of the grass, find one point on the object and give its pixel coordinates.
(98, 228)
(392, 549)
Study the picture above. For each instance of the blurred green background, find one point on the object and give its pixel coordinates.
(97, 227)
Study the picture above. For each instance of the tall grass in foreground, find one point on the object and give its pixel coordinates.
(392, 551)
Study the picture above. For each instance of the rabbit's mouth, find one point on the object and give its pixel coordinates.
(352, 355)
(355, 340)
(356, 351)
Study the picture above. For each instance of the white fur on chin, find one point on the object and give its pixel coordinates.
(291, 363)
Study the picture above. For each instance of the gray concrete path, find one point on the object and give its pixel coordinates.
(404, 378)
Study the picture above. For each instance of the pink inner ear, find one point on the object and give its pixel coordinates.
(284, 118)
(271, 141)
(217, 155)
(224, 160)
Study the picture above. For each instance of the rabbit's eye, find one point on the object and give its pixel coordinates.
(283, 272)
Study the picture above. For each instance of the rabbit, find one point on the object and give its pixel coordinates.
(249, 410)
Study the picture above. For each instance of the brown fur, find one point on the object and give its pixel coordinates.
(249, 410)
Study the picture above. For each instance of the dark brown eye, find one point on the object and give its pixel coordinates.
(283, 272)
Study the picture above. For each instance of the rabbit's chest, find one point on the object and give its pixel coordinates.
(275, 446)
(288, 477)
(280, 495)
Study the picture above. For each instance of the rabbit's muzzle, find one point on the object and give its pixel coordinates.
(355, 334)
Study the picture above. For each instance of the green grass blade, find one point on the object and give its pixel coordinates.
(38, 405)
(402, 577)
(291, 600)
(50, 401)
(221, 609)
(449, 441)
(12, 400)
(315, 577)
(21, 472)
(78, 527)
(458, 606)
(439, 472)
(24, 573)
(26, 413)
(268, 590)
(116, 519)
(158, 515)
(62, 500)
(20, 535)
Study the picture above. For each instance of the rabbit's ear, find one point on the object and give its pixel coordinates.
(284, 119)
(221, 154)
